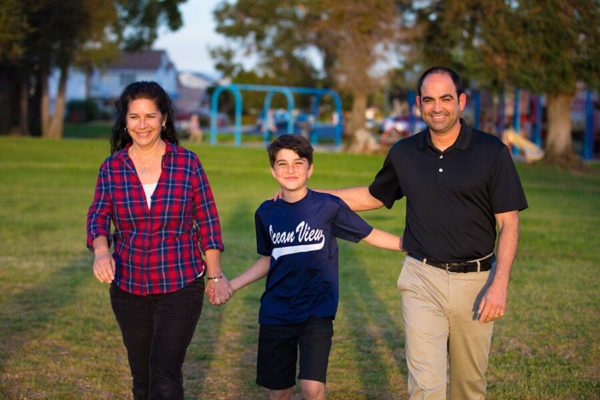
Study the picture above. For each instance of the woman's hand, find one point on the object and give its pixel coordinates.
(104, 266)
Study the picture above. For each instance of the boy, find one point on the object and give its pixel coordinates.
(296, 237)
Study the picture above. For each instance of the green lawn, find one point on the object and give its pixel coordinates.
(59, 339)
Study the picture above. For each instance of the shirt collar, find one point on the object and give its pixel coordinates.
(122, 154)
(462, 142)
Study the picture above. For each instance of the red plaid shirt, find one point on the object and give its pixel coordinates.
(155, 250)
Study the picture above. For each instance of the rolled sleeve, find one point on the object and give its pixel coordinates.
(99, 213)
(206, 217)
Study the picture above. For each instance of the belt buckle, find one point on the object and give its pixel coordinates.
(448, 270)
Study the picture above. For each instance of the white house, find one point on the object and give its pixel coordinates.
(151, 65)
(106, 85)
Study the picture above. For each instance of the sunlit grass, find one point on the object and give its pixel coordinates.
(59, 339)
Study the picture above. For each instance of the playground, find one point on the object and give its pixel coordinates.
(59, 339)
(515, 117)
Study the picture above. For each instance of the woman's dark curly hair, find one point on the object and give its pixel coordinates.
(141, 90)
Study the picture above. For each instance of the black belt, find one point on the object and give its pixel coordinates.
(484, 264)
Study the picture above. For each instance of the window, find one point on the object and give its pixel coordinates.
(126, 79)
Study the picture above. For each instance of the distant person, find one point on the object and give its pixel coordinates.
(269, 127)
(296, 236)
(460, 184)
(159, 202)
(194, 129)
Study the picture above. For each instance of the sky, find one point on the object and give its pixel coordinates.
(188, 47)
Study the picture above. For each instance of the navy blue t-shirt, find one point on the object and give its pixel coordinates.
(300, 238)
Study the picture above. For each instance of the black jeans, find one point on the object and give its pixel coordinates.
(157, 330)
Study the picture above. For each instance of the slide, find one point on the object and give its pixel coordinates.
(530, 150)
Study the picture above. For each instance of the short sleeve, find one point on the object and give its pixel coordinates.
(348, 225)
(386, 186)
(506, 192)
(263, 242)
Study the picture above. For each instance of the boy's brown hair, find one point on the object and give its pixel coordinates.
(297, 143)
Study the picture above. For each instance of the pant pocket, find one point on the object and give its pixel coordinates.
(403, 277)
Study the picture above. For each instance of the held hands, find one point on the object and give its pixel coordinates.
(219, 290)
(104, 266)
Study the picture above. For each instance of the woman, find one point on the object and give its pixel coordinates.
(157, 196)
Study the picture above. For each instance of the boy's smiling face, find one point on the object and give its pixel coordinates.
(291, 172)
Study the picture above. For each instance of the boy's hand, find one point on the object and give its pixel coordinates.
(210, 292)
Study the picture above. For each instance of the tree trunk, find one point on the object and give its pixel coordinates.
(5, 120)
(88, 82)
(44, 102)
(58, 116)
(361, 140)
(357, 117)
(24, 105)
(559, 149)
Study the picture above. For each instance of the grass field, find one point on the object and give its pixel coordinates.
(59, 339)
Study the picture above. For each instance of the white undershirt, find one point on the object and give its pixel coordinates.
(149, 190)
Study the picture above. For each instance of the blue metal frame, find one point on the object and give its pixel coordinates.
(537, 133)
(411, 115)
(476, 109)
(271, 90)
(517, 118)
(587, 151)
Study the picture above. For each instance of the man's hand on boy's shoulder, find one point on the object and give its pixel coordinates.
(276, 196)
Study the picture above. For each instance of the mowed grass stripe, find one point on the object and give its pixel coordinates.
(59, 339)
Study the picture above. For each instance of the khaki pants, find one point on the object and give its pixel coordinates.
(439, 312)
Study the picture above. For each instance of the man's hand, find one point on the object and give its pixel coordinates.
(493, 304)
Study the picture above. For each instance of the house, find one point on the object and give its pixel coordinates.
(193, 91)
(150, 65)
(106, 85)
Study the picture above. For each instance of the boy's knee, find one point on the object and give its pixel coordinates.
(313, 390)
(284, 394)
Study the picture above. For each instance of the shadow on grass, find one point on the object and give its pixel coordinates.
(374, 335)
(214, 354)
(28, 313)
(49, 329)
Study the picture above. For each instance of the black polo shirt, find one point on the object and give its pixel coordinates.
(451, 195)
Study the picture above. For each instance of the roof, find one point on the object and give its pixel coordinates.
(148, 60)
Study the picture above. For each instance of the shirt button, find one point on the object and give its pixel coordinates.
(441, 156)
(441, 169)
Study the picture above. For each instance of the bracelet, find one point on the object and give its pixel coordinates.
(215, 278)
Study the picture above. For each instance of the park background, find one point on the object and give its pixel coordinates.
(58, 337)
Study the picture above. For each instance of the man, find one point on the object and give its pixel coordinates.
(459, 184)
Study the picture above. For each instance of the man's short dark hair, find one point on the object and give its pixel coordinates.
(297, 143)
(441, 70)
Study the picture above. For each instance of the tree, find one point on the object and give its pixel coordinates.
(63, 31)
(86, 33)
(13, 30)
(351, 36)
(542, 46)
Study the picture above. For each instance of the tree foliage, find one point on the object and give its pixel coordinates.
(13, 29)
(542, 46)
(140, 20)
(351, 37)
(62, 33)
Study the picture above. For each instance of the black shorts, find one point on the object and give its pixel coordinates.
(278, 352)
